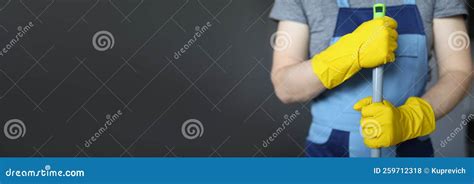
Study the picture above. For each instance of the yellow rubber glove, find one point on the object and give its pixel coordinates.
(384, 125)
(372, 44)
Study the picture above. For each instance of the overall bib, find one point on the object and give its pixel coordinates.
(335, 129)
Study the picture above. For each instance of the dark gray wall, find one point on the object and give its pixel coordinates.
(62, 89)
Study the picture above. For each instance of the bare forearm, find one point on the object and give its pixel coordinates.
(448, 92)
(296, 83)
(454, 65)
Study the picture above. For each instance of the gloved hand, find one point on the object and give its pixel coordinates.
(372, 44)
(384, 125)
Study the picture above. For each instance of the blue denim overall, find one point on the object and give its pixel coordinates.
(335, 129)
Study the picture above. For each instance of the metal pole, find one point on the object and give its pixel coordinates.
(377, 88)
(377, 77)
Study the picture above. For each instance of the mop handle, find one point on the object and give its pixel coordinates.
(377, 76)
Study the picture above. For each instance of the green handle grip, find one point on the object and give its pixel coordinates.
(379, 10)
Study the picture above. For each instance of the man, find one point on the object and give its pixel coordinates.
(343, 44)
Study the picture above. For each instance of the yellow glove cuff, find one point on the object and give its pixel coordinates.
(418, 117)
(333, 67)
(384, 125)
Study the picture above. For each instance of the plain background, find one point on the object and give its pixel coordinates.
(62, 88)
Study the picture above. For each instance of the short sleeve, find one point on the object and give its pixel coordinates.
(291, 10)
(448, 8)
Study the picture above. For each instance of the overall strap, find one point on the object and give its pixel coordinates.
(343, 3)
(409, 2)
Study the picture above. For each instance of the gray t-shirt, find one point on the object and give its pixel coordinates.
(321, 16)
